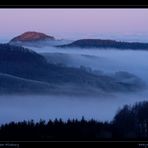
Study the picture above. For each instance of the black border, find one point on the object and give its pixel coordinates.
(75, 144)
(101, 6)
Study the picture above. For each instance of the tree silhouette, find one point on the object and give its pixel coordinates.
(130, 122)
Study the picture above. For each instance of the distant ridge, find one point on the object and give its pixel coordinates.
(102, 43)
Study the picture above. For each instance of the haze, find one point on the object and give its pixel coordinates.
(120, 24)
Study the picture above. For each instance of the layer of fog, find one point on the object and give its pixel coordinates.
(108, 60)
(42, 44)
(100, 108)
(19, 108)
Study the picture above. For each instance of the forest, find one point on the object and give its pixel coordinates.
(129, 123)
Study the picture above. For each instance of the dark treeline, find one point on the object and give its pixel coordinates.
(55, 130)
(130, 123)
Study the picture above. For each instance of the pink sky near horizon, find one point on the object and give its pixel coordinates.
(74, 23)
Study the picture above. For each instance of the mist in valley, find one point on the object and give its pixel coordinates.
(19, 108)
(105, 60)
(102, 108)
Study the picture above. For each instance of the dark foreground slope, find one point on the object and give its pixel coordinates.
(100, 43)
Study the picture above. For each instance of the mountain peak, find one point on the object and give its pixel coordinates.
(32, 36)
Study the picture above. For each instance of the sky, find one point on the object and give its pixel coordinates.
(76, 23)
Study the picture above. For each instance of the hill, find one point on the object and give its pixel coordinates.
(99, 43)
(26, 64)
(32, 36)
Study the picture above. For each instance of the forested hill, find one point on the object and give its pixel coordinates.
(30, 71)
(100, 43)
